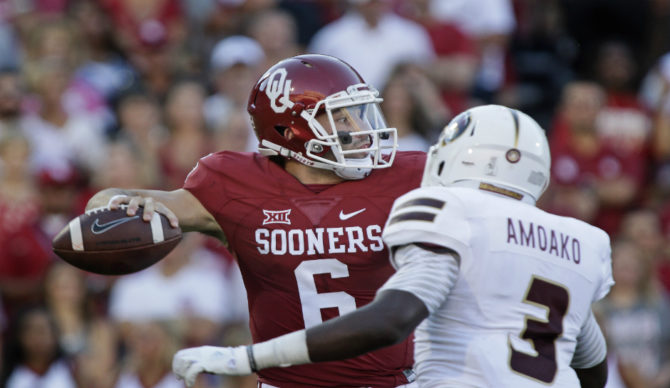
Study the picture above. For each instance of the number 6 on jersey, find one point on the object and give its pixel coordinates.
(312, 302)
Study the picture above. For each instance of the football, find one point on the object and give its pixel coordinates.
(109, 242)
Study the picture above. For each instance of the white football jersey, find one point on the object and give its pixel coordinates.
(525, 284)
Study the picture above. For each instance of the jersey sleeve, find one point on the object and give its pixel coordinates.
(209, 186)
(205, 184)
(197, 177)
(429, 215)
(428, 275)
(605, 267)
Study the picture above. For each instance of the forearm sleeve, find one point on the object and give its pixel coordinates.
(591, 348)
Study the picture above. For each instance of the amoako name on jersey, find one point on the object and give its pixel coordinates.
(316, 241)
(547, 240)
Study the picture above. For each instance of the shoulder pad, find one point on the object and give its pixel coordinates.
(431, 215)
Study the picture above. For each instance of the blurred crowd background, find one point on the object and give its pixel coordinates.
(131, 93)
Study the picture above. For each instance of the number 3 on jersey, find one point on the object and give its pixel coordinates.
(312, 301)
(542, 333)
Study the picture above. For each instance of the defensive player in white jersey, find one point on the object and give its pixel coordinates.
(499, 291)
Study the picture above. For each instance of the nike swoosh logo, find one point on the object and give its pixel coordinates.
(98, 228)
(346, 216)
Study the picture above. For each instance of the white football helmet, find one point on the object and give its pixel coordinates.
(492, 148)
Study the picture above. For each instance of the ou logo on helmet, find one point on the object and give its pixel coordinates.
(278, 90)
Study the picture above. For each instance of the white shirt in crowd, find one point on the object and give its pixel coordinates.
(58, 376)
(374, 52)
(81, 141)
(203, 288)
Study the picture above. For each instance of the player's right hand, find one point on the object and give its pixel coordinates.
(150, 206)
(188, 363)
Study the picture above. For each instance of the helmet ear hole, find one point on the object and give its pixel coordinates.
(281, 129)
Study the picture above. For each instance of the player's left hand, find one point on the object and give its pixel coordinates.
(188, 363)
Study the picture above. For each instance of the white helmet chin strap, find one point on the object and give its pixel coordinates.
(356, 169)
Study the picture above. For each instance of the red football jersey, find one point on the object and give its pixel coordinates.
(307, 257)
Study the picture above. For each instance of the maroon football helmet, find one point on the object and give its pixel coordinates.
(333, 114)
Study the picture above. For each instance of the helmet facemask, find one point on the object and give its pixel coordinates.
(355, 133)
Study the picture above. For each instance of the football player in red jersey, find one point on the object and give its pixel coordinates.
(304, 216)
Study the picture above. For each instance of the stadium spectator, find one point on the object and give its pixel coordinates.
(645, 228)
(98, 365)
(457, 56)
(12, 91)
(52, 39)
(374, 40)
(591, 179)
(25, 254)
(626, 20)
(310, 16)
(140, 25)
(151, 35)
(234, 67)
(55, 41)
(141, 126)
(540, 59)
(623, 123)
(33, 357)
(102, 65)
(61, 193)
(636, 317)
(10, 39)
(578, 112)
(147, 362)
(235, 133)
(58, 136)
(189, 138)
(275, 31)
(124, 168)
(190, 286)
(654, 93)
(491, 30)
(65, 297)
(413, 106)
(225, 19)
(17, 185)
